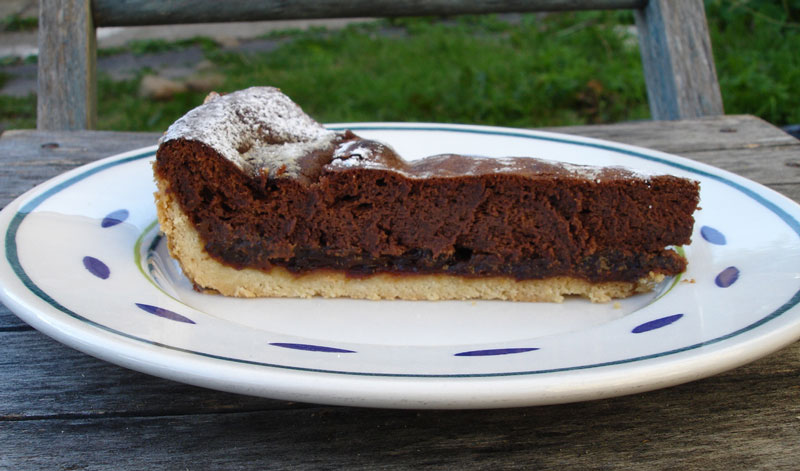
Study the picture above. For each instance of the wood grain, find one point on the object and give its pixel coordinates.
(62, 382)
(712, 133)
(742, 420)
(678, 62)
(143, 12)
(779, 165)
(67, 73)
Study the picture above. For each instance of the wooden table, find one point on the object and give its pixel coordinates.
(61, 409)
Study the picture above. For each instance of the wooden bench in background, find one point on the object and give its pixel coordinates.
(673, 35)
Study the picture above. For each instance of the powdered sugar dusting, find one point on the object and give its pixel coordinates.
(582, 171)
(261, 130)
(372, 155)
(256, 128)
(361, 154)
(351, 149)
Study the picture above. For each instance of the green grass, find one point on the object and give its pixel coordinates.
(568, 69)
(17, 113)
(121, 108)
(561, 69)
(154, 46)
(18, 23)
(474, 70)
(757, 54)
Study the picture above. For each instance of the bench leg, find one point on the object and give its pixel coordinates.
(67, 72)
(678, 62)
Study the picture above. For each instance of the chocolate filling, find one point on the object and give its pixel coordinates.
(358, 207)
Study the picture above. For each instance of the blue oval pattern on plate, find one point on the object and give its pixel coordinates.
(96, 267)
(495, 351)
(656, 323)
(713, 236)
(727, 277)
(115, 217)
(311, 348)
(165, 313)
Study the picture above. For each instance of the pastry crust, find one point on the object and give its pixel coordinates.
(186, 246)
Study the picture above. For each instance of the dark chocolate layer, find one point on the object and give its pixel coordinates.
(360, 208)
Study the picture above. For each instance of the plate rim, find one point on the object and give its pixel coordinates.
(32, 198)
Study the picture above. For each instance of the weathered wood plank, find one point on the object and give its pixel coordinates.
(778, 165)
(142, 12)
(10, 322)
(790, 190)
(24, 144)
(31, 157)
(733, 425)
(67, 74)
(58, 381)
(692, 135)
(678, 62)
(395, 440)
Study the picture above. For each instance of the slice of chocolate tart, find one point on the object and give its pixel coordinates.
(258, 199)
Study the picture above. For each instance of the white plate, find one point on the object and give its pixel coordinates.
(84, 263)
